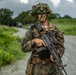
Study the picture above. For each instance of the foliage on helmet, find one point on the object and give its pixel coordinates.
(40, 9)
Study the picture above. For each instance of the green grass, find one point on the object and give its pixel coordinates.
(10, 47)
(65, 21)
(68, 26)
(25, 26)
(7, 30)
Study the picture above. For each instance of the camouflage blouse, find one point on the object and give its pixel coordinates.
(31, 34)
(35, 65)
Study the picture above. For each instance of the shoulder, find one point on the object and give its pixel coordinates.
(28, 33)
(55, 29)
(52, 26)
(30, 28)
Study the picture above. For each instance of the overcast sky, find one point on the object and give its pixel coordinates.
(63, 7)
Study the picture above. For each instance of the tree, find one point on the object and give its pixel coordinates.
(25, 18)
(66, 16)
(5, 16)
(53, 16)
(58, 15)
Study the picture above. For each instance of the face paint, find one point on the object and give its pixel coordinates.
(42, 17)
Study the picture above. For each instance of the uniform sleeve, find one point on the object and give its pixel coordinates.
(26, 42)
(60, 39)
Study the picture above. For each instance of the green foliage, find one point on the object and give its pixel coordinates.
(66, 17)
(64, 21)
(25, 26)
(5, 43)
(5, 57)
(1, 57)
(52, 16)
(6, 40)
(10, 47)
(67, 29)
(5, 16)
(7, 30)
(68, 26)
(25, 18)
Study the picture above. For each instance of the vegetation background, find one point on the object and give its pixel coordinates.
(10, 47)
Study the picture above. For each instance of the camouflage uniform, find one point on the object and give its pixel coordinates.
(35, 65)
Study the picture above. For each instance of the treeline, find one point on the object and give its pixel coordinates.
(24, 17)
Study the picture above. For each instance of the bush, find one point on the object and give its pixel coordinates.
(10, 47)
(5, 57)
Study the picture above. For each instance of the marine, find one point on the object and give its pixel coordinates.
(35, 65)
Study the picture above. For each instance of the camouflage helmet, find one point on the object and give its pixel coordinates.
(40, 9)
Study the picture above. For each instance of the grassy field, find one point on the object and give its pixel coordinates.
(10, 48)
(68, 26)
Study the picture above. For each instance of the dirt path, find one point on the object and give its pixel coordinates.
(70, 54)
(69, 58)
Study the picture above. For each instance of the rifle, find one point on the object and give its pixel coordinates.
(49, 41)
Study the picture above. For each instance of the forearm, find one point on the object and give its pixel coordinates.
(27, 42)
(60, 50)
(26, 47)
(60, 40)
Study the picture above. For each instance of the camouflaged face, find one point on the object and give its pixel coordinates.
(40, 9)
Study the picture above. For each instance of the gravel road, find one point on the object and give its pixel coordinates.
(21, 32)
(69, 58)
(70, 54)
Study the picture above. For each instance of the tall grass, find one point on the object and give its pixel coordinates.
(65, 21)
(7, 30)
(10, 48)
(68, 26)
